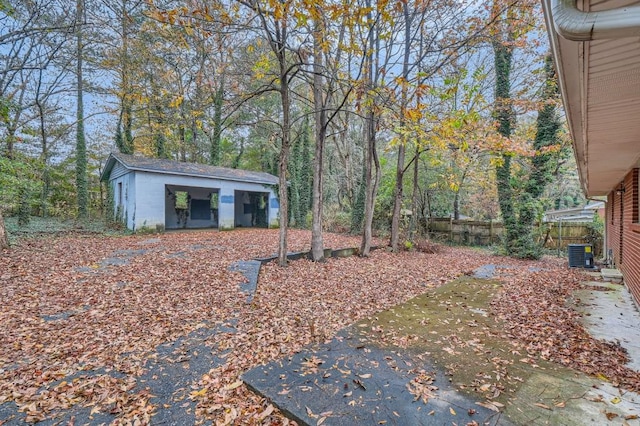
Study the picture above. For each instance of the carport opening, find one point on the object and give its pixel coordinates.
(191, 207)
(251, 209)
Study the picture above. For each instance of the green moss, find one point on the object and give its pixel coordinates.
(453, 326)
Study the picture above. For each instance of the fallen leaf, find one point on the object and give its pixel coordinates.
(489, 404)
(270, 408)
(310, 413)
(360, 384)
(234, 385)
(199, 393)
(610, 416)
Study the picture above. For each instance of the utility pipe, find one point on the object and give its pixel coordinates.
(576, 25)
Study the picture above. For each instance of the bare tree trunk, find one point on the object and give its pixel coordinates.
(81, 144)
(365, 246)
(398, 195)
(45, 149)
(4, 242)
(372, 163)
(372, 179)
(216, 138)
(456, 206)
(283, 163)
(317, 245)
(283, 166)
(413, 224)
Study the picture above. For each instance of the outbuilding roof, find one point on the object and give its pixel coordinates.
(157, 165)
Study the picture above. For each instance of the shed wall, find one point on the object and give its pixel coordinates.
(150, 202)
(124, 203)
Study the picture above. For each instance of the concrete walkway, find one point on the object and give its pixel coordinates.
(609, 313)
(353, 381)
(451, 368)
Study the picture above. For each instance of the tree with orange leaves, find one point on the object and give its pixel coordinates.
(512, 21)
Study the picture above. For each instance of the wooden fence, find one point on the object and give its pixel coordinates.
(557, 235)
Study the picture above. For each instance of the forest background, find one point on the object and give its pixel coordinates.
(379, 114)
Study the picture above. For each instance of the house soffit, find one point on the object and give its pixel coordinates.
(600, 82)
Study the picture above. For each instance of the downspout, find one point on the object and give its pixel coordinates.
(621, 226)
(576, 25)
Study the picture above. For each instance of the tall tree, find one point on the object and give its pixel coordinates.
(301, 182)
(547, 126)
(503, 45)
(372, 111)
(409, 39)
(511, 24)
(48, 86)
(328, 101)
(121, 22)
(26, 33)
(81, 144)
(320, 115)
(275, 18)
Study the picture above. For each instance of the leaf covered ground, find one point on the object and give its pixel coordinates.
(82, 315)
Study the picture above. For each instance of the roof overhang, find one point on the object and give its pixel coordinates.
(108, 166)
(245, 178)
(596, 48)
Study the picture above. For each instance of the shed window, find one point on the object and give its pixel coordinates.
(200, 210)
(182, 200)
(119, 193)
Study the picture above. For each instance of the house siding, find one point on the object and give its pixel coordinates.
(623, 231)
(118, 171)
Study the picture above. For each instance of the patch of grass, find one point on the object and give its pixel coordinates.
(53, 226)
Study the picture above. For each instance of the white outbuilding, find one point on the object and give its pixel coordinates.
(157, 194)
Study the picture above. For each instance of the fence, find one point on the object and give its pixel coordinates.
(556, 235)
(465, 231)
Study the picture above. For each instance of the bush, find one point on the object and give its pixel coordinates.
(595, 235)
(336, 220)
(426, 246)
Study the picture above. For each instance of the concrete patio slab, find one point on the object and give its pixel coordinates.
(440, 359)
(609, 313)
(349, 381)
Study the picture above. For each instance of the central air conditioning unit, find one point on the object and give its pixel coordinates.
(581, 256)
